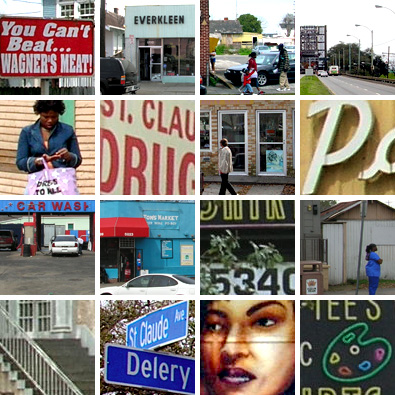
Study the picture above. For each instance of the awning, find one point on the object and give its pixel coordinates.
(123, 227)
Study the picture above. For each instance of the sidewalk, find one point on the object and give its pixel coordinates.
(221, 89)
(158, 88)
(252, 185)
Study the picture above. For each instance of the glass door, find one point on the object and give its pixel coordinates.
(156, 64)
(233, 127)
(35, 316)
(271, 139)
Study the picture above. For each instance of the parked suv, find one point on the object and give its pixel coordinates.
(8, 239)
(267, 64)
(117, 76)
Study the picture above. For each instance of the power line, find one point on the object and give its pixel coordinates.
(23, 13)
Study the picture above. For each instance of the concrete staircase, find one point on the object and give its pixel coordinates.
(73, 360)
(11, 380)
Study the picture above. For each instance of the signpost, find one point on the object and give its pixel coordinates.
(159, 328)
(149, 369)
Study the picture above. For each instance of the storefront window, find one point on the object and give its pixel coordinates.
(109, 252)
(205, 131)
(271, 142)
(171, 54)
(187, 56)
(149, 42)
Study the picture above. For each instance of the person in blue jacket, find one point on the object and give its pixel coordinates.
(47, 139)
(373, 268)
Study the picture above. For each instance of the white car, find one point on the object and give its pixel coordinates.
(64, 244)
(154, 284)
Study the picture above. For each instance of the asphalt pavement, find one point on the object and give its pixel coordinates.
(43, 274)
(158, 88)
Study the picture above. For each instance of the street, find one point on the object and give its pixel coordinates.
(342, 85)
(43, 274)
(223, 62)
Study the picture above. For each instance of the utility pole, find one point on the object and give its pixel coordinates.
(102, 28)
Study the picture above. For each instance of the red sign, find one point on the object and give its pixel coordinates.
(31, 47)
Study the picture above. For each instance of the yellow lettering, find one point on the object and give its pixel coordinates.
(351, 391)
(254, 210)
(210, 212)
(375, 314)
(233, 210)
(332, 304)
(347, 305)
(306, 391)
(326, 391)
(373, 391)
(275, 210)
(303, 360)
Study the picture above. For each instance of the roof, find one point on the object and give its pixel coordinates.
(229, 27)
(338, 209)
(115, 20)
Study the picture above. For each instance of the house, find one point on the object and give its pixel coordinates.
(47, 346)
(341, 226)
(115, 34)
(228, 31)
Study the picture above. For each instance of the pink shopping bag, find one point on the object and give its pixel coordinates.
(59, 181)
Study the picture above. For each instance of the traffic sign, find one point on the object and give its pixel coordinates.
(159, 328)
(149, 369)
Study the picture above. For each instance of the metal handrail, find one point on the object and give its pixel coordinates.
(32, 360)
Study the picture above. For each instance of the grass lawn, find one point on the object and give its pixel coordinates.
(311, 85)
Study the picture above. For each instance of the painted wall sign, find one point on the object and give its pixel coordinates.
(162, 219)
(33, 47)
(159, 19)
(347, 347)
(242, 213)
(149, 369)
(247, 280)
(147, 147)
(161, 327)
(327, 153)
(47, 206)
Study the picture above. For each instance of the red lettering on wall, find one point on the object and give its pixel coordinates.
(148, 123)
(86, 206)
(175, 123)
(57, 206)
(32, 207)
(161, 128)
(170, 171)
(107, 108)
(41, 206)
(109, 184)
(132, 143)
(190, 133)
(155, 169)
(20, 206)
(188, 159)
(67, 206)
(77, 206)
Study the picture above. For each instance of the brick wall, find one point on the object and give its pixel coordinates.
(204, 37)
(211, 167)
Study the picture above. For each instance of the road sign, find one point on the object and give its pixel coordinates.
(159, 328)
(149, 369)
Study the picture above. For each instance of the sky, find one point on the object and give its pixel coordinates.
(21, 7)
(341, 20)
(271, 11)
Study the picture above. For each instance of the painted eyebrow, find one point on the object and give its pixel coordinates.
(217, 312)
(259, 306)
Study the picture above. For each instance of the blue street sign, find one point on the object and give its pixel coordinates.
(159, 328)
(149, 369)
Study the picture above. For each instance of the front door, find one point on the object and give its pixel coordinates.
(271, 135)
(233, 127)
(150, 63)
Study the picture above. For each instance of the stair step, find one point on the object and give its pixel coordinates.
(6, 367)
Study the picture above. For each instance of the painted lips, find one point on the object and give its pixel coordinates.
(236, 376)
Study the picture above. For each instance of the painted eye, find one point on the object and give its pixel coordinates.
(214, 327)
(266, 322)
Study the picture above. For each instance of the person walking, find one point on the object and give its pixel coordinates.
(212, 60)
(373, 268)
(283, 68)
(254, 77)
(225, 167)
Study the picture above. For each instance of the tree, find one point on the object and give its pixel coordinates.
(115, 314)
(288, 23)
(325, 204)
(250, 23)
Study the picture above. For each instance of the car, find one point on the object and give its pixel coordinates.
(203, 89)
(64, 244)
(267, 69)
(154, 284)
(8, 239)
(117, 77)
(260, 49)
(319, 73)
(333, 70)
(324, 73)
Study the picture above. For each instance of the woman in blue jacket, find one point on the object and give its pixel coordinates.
(48, 139)
(373, 268)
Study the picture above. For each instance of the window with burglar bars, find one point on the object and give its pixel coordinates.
(126, 242)
(35, 315)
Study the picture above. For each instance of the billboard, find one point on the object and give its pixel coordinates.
(147, 147)
(34, 47)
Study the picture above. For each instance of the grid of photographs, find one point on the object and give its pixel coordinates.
(112, 246)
